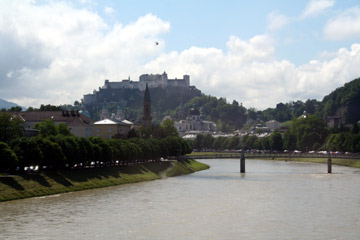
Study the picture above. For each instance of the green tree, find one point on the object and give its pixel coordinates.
(8, 159)
(10, 128)
(266, 143)
(174, 146)
(219, 143)
(208, 141)
(132, 134)
(145, 132)
(63, 129)
(106, 150)
(70, 148)
(15, 109)
(233, 142)
(168, 126)
(308, 130)
(355, 128)
(49, 107)
(53, 154)
(86, 150)
(47, 128)
(276, 141)
(144, 146)
(28, 152)
(199, 141)
(155, 146)
(250, 142)
(289, 140)
(159, 132)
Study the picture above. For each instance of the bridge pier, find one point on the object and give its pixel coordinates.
(242, 159)
(329, 162)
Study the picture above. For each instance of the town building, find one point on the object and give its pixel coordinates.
(333, 121)
(78, 124)
(108, 128)
(194, 122)
(118, 116)
(272, 125)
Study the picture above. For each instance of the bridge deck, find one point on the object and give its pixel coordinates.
(270, 155)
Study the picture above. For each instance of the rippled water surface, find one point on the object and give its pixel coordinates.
(273, 200)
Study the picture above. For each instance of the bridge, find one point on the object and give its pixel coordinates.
(209, 155)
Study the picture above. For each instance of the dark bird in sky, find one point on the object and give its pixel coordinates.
(156, 43)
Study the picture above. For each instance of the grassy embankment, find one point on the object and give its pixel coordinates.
(336, 161)
(186, 167)
(41, 184)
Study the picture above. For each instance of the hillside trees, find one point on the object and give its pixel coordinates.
(345, 141)
(228, 117)
(344, 101)
(288, 111)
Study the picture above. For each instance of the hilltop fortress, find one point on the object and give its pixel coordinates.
(153, 81)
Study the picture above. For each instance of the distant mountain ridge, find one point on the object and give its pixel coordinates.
(5, 104)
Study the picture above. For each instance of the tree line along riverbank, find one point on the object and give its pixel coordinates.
(54, 182)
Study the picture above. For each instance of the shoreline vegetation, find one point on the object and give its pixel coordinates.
(14, 187)
(348, 162)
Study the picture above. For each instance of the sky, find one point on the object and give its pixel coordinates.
(258, 53)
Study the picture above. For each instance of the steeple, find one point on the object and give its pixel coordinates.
(147, 94)
(146, 119)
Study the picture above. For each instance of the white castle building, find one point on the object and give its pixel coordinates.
(153, 81)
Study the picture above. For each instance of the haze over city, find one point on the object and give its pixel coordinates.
(259, 53)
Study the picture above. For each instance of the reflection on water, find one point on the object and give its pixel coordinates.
(273, 200)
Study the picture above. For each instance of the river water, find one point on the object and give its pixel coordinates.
(272, 200)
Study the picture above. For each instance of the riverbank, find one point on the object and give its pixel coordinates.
(42, 184)
(186, 167)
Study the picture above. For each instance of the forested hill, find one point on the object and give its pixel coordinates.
(344, 102)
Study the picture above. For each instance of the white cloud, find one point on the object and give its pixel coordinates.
(109, 10)
(249, 73)
(55, 53)
(315, 7)
(277, 21)
(344, 26)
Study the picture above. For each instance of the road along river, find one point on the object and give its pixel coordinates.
(272, 200)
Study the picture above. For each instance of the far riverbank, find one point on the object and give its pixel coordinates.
(41, 184)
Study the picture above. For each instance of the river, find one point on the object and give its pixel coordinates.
(272, 200)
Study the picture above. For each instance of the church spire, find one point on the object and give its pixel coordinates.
(147, 94)
(146, 119)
